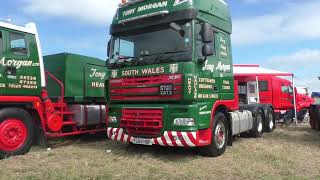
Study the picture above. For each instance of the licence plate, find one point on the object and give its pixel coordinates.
(142, 141)
(166, 89)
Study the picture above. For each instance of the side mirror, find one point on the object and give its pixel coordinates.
(207, 50)
(207, 33)
(109, 48)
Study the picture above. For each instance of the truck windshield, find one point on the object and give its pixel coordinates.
(151, 46)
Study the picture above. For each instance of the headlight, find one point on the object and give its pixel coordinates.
(184, 121)
(113, 119)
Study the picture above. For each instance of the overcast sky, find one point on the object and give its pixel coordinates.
(279, 34)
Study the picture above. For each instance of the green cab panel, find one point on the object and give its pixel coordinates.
(83, 77)
(19, 64)
(201, 112)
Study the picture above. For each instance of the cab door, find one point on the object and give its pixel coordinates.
(2, 68)
(22, 71)
(286, 97)
(252, 92)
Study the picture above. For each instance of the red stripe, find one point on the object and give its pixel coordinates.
(122, 137)
(194, 141)
(129, 137)
(155, 141)
(164, 141)
(117, 132)
(179, 134)
(172, 139)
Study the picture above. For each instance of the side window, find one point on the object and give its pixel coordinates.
(18, 44)
(1, 42)
(263, 86)
(252, 89)
(290, 90)
(285, 89)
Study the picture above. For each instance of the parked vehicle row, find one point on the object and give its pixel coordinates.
(169, 81)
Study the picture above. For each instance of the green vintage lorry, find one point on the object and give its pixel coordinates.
(67, 99)
(171, 77)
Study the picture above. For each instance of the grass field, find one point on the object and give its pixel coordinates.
(287, 153)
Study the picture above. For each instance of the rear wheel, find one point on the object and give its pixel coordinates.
(257, 130)
(270, 120)
(219, 137)
(16, 132)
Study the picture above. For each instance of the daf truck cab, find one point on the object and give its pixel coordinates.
(171, 77)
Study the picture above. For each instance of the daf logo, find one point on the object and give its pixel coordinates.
(173, 68)
(114, 73)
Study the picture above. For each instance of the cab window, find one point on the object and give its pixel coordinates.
(290, 90)
(252, 89)
(263, 86)
(1, 42)
(18, 44)
(285, 89)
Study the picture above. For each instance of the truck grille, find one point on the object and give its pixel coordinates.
(145, 88)
(142, 122)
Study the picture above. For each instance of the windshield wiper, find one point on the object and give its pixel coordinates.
(136, 59)
(124, 58)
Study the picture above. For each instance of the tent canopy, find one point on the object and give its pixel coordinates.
(256, 70)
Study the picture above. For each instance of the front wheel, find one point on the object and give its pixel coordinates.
(219, 137)
(16, 132)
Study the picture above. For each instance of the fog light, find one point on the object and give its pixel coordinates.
(184, 121)
(113, 119)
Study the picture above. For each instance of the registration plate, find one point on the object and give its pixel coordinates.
(142, 141)
(166, 89)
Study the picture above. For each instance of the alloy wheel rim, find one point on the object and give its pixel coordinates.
(220, 135)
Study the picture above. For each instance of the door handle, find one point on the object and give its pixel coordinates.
(10, 70)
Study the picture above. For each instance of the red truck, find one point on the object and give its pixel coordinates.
(272, 90)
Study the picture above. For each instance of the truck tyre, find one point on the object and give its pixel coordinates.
(219, 137)
(302, 115)
(16, 132)
(270, 120)
(257, 130)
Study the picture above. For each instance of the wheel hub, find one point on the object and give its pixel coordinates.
(220, 135)
(260, 126)
(13, 134)
(271, 124)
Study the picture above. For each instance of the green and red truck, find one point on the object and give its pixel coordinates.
(36, 104)
(171, 77)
